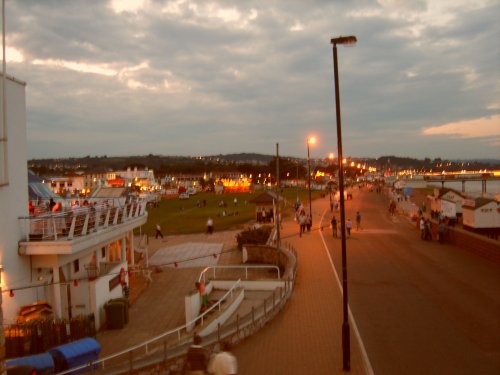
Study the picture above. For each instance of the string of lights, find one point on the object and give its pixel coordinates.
(139, 269)
(175, 263)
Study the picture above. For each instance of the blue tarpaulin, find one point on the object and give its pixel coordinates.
(43, 363)
(75, 354)
(408, 191)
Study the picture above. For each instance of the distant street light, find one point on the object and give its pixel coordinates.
(331, 156)
(346, 342)
(310, 140)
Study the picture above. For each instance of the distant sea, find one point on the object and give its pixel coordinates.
(471, 187)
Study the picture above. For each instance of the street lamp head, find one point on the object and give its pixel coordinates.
(331, 156)
(346, 40)
(311, 140)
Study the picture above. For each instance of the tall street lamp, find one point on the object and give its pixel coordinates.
(310, 140)
(346, 350)
(331, 156)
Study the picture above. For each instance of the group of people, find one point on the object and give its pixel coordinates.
(304, 220)
(198, 361)
(265, 216)
(426, 230)
(337, 226)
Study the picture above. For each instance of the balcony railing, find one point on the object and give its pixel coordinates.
(67, 225)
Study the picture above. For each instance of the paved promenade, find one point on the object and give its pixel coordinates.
(305, 338)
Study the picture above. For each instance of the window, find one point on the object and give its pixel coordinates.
(76, 265)
(103, 252)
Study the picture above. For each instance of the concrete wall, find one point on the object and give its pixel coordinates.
(192, 304)
(478, 244)
(14, 202)
(100, 291)
(263, 254)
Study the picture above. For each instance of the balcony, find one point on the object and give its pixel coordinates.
(71, 231)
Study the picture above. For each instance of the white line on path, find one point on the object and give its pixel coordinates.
(364, 355)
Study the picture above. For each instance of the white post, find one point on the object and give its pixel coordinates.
(56, 289)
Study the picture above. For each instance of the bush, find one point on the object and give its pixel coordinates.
(252, 236)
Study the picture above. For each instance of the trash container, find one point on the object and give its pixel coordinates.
(124, 302)
(115, 315)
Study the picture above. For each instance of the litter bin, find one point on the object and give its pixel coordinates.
(124, 302)
(115, 315)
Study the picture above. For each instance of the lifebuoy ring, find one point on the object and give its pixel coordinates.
(122, 276)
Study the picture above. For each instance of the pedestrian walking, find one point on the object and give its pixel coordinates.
(302, 223)
(348, 226)
(422, 228)
(197, 358)
(224, 363)
(442, 232)
(158, 231)
(210, 225)
(358, 221)
(308, 222)
(428, 230)
(334, 226)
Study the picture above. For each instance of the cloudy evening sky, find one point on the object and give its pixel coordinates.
(187, 77)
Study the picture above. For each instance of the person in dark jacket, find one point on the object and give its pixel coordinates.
(197, 358)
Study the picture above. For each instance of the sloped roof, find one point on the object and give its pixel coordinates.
(446, 190)
(109, 192)
(478, 202)
(267, 197)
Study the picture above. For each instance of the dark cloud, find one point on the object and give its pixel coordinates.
(197, 79)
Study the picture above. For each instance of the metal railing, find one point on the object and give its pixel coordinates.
(161, 341)
(79, 222)
(237, 267)
(167, 351)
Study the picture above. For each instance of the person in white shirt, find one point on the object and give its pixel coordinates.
(223, 363)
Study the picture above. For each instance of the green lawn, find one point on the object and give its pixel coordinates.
(177, 216)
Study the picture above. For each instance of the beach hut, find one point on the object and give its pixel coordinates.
(481, 213)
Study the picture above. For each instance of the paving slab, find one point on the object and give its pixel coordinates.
(186, 255)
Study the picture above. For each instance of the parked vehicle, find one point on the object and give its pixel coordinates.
(183, 196)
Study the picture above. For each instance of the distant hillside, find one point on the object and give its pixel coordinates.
(243, 162)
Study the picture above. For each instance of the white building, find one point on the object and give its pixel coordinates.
(145, 178)
(62, 185)
(450, 202)
(13, 198)
(481, 213)
(76, 260)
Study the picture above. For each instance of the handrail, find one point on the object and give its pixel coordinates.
(241, 331)
(156, 338)
(246, 267)
(78, 222)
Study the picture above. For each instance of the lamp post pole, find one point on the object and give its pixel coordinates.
(330, 182)
(309, 141)
(309, 177)
(346, 342)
